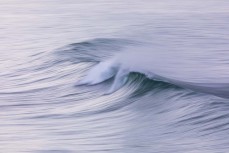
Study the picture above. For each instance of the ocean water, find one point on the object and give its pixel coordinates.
(142, 76)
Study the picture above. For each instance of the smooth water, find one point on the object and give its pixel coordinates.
(142, 76)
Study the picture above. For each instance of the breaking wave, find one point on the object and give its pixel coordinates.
(183, 71)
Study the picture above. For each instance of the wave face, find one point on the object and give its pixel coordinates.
(150, 79)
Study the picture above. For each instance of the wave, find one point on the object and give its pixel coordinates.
(121, 93)
(171, 67)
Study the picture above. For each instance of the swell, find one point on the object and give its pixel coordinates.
(111, 65)
(146, 106)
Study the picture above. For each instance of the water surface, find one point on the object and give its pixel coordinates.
(164, 64)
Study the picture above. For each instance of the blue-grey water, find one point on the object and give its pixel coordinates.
(140, 76)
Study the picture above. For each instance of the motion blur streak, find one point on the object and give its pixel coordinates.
(142, 76)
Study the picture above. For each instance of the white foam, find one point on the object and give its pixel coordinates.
(101, 72)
